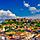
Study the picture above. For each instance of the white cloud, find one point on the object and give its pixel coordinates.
(9, 13)
(6, 13)
(38, 10)
(38, 4)
(32, 8)
(26, 4)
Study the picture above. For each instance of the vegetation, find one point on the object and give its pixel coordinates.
(13, 24)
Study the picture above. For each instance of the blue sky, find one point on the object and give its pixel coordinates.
(21, 7)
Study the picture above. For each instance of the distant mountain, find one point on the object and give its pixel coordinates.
(37, 16)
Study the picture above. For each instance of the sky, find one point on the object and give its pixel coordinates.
(21, 7)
